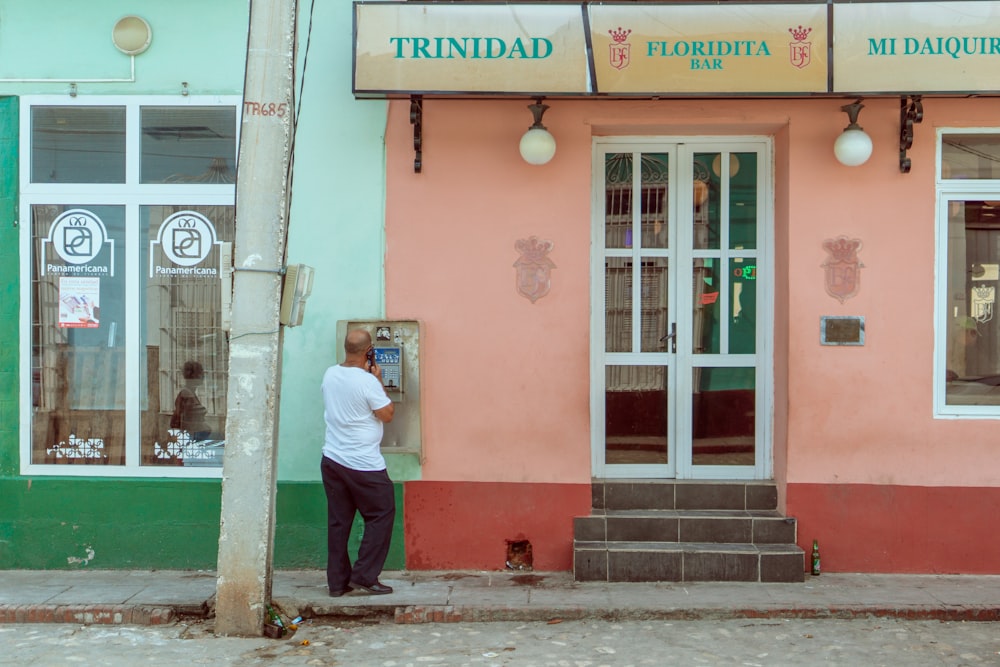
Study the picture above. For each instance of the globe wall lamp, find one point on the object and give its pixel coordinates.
(132, 35)
(537, 145)
(853, 147)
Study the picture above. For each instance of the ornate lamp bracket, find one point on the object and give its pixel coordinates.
(909, 113)
(417, 120)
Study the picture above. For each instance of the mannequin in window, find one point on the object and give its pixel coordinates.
(189, 413)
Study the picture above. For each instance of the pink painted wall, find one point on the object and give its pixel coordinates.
(864, 414)
(506, 382)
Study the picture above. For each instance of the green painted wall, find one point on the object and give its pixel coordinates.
(72, 523)
(10, 286)
(335, 226)
(203, 43)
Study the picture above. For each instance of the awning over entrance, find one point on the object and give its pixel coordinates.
(675, 50)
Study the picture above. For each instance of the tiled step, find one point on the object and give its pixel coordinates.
(728, 526)
(687, 561)
(674, 530)
(680, 495)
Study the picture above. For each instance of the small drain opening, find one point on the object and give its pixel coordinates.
(519, 555)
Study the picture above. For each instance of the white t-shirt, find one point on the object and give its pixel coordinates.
(353, 432)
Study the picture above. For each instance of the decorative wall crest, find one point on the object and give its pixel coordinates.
(533, 267)
(843, 268)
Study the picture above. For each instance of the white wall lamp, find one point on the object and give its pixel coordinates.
(537, 145)
(853, 147)
(132, 35)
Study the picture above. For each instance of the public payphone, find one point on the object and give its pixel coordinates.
(397, 352)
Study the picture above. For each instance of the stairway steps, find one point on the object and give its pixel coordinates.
(667, 495)
(671, 530)
(752, 526)
(687, 561)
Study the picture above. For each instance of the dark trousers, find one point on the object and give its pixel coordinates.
(370, 493)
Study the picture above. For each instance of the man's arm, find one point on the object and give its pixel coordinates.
(385, 414)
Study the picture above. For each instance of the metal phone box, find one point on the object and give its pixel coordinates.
(397, 352)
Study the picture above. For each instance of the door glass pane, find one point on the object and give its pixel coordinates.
(618, 304)
(185, 352)
(655, 320)
(78, 144)
(707, 197)
(742, 200)
(970, 156)
(973, 347)
(743, 305)
(78, 335)
(655, 180)
(635, 414)
(618, 200)
(723, 416)
(188, 144)
(705, 318)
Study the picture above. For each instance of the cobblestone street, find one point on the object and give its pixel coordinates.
(870, 642)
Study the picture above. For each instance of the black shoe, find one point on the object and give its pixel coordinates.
(337, 594)
(375, 589)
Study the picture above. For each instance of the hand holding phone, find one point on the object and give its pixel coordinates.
(370, 358)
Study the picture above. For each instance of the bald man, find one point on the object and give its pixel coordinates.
(354, 475)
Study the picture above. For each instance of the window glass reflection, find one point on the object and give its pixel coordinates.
(707, 198)
(78, 335)
(185, 352)
(635, 415)
(77, 144)
(618, 304)
(618, 200)
(743, 305)
(707, 285)
(972, 373)
(723, 416)
(970, 156)
(188, 145)
(742, 200)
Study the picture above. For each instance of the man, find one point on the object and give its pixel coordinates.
(354, 475)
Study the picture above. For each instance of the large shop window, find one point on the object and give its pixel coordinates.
(127, 214)
(968, 361)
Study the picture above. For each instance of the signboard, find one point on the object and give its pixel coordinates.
(842, 330)
(458, 48)
(665, 49)
(916, 47)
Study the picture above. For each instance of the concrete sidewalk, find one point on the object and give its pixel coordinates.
(158, 597)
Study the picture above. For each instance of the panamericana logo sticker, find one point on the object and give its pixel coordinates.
(185, 238)
(78, 236)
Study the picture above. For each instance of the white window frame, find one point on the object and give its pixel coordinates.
(947, 190)
(131, 195)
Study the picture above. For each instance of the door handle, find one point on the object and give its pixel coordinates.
(672, 337)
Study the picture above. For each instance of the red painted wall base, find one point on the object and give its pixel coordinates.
(899, 529)
(466, 525)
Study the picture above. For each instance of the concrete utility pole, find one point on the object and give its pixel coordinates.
(249, 468)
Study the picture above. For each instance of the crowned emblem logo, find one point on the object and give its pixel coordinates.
(800, 51)
(843, 268)
(533, 267)
(620, 49)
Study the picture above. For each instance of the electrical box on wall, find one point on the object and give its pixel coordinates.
(294, 292)
(397, 352)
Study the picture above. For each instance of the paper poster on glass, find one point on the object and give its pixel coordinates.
(79, 302)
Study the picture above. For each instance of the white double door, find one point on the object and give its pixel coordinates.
(681, 370)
